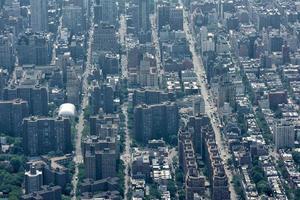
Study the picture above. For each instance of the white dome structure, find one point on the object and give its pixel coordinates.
(67, 110)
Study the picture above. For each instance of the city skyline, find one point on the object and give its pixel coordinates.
(149, 99)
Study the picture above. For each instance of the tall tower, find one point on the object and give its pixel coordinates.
(109, 11)
(144, 12)
(7, 54)
(284, 134)
(33, 180)
(39, 15)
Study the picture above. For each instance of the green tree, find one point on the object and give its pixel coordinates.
(264, 188)
(257, 176)
(179, 176)
(172, 188)
(154, 193)
(16, 163)
(296, 157)
(181, 194)
(297, 193)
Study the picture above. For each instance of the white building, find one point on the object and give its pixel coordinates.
(284, 134)
(67, 110)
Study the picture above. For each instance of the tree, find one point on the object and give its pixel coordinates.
(154, 193)
(15, 193)
(181, 194)
(87, 112)
(81, 173)
(179, 176)
(297, 193)
(16, 163)
(238, 185)
(257, 176)
(296, 157)
(263, 188)
(172, 188)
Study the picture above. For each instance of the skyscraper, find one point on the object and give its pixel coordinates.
(73, 18)
(39, 15)
(155, 121)
(12, 114)
(198, 105)
(35, 95)
(100, 164)
(33, 180)
(42, 135)
(7, 57)
(108, 11)
(105, 38)
(144, 12)
(33, 48)
(144, 21)
(284, 134)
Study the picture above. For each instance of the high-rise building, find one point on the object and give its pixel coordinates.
(144, 14)
(36, 97)
(142, 123)
(12, 114)
(195, 184)
(134, 55)
(284, 134)
(147, 71)
(39, 15)
(108, 11)
(144, 20)
(155, 121)
(102, 96)
(97, 14)
(110, 64)
(7, 55)
(199, 105)
(132, 22)
(176, 18)
(197, 123)
(46, 193)
(73, 18)
(4, 77)
(12, 8)
(105, 38)
(169, 15)
(42, 135)
(73, 86)
(218, 178)
(99, 143)
(285, 53)
(140, 167)
(163, 15)
(33, 48)
(220, 185)
(269, 17)
(149, 96)
(33, 180)
(100, 164)
(104, 125)
(90, 163)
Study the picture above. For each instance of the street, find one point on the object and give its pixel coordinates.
(53, 60)
(123, 42)
(211, 109)
(78, 159)
(126, 156)
(155, 42)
